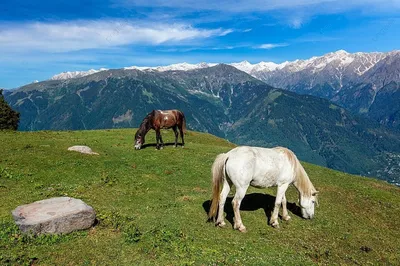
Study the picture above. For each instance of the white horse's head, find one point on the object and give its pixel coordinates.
(307, 205)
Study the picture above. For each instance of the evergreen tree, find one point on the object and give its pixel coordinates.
(9, 118)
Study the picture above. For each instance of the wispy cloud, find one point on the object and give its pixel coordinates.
(202, 48)
(242, 6)
(284, 10)
(315, 38)
(296, 23)
(79, 35)
(271, 45)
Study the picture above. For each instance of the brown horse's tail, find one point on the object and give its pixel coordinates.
(183, 123)
(218, 176)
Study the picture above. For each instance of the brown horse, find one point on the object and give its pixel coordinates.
(161, 119)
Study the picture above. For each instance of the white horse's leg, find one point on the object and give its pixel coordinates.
(278, 202)
(285, 215)
(222, 198)
(237, 200)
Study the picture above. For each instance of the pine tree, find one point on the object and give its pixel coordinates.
(9, 118)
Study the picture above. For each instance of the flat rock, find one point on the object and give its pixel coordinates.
(54, 216)
(82, 149)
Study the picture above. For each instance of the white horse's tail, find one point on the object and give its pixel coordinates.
(218, 175)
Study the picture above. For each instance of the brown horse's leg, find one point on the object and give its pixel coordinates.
(161, 140)
(181, 132)
(176, 136)
(158, 134)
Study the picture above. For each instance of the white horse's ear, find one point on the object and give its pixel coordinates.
(315, 193)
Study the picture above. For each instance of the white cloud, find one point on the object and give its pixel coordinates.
(272, 45)
(296, 23)
(79, 35)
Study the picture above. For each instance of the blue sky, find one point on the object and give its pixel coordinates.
(41, 38)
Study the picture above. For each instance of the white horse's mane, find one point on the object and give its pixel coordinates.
(301, 179)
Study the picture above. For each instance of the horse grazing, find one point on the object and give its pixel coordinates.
(157, 120)
(259, 167)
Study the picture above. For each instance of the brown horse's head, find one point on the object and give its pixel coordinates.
(144, 127)
(139, 140)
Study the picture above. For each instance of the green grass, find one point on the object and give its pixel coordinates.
(151, 207)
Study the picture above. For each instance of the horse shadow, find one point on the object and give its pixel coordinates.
(253, 202)
(144, 146)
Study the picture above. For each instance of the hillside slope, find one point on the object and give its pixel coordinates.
(151, 206)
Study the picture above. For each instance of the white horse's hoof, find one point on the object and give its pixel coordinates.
(275, 224)
(183, 146)
(286, 218)
(242, 229)
(221, 224)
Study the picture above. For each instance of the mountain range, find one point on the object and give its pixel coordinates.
(221, 100)
(365, 83)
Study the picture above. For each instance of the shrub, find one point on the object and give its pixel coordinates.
(9, 118)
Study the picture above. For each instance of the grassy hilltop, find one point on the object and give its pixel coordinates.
(151, 207)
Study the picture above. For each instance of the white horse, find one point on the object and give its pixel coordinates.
(259, 167)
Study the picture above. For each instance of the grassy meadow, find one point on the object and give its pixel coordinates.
(151, 207)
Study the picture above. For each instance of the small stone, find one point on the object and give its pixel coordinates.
(54, 216)
(82, 149)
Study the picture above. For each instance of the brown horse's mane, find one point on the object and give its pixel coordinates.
(145, 126)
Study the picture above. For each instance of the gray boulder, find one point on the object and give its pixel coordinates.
(54, 216)
(82, 149)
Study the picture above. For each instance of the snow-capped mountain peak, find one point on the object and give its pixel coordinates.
(262, 66)
(344, 62)
(180, 66)
(75, 74)
(245, 66)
